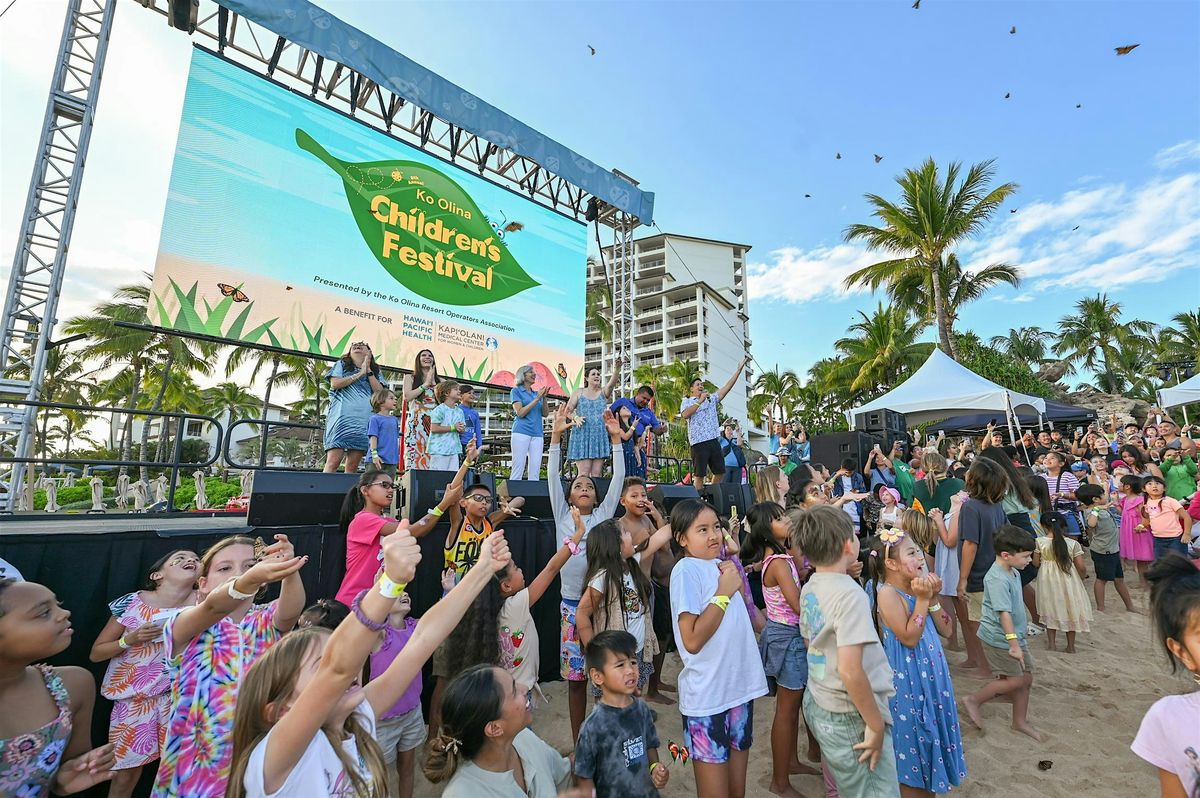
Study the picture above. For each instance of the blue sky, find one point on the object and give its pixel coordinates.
(731, 113)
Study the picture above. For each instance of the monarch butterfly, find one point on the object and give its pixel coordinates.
(1126, 50)
(236, 293)
(562, 371)
(678, 752)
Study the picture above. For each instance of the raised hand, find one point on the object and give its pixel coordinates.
(612, 425)
(935, 582)
(401, 553)
(452, 493)
(494, 552)
(271, 569)
(922, 587)
(512, 507)
(281, 549)
(561, 423)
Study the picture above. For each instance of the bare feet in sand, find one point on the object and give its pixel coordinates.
(659, 698)
(972, 707)
(1025, 728)
(785, 790)
(670, 688)
(968, 664)
(798, 768)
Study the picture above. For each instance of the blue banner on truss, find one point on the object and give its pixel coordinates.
(313, 27)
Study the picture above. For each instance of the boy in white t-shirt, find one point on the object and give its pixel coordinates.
(849, 678)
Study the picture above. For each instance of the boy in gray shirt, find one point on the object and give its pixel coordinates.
(1105, 545)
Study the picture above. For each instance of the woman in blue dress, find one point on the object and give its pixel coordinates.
(352, 381)
(926, 735)
(589, 446)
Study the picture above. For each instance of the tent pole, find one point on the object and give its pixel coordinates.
(1041, 422)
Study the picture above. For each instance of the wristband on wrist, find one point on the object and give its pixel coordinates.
(935, 607)
(653, 765)
(720, 601)
(1010, 636)
(363, 618)
(571, 545)
(437, 512)
(236, 594)
(123, 643)
(390, 589)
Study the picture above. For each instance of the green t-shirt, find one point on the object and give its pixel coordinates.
(789, 468)
(941, 497)
(904, 480)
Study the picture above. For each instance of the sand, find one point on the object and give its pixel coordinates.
(1088, 705)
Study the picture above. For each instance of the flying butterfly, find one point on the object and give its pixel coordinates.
(1007, 94)
(916, 4)
(878, 158)
(513, 227)
(839, 157)
(1013, 29)
(593, 49)
(1013, 210)
(808, 196)
(679, 753)
(233, 291)
(1126, 50)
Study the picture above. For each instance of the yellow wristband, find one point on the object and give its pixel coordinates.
(720, 601)
(653, 765)
(1011, 636)
(123, 643)
(390, 589)
(436, 512)
(935, 607)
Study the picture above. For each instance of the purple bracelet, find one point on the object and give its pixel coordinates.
(356, 607)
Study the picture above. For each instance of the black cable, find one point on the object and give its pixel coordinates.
(10, 5)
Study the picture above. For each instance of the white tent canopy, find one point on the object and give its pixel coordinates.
(1184, 393)
(942, 388)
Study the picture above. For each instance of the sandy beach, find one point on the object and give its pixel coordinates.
(1088, 705)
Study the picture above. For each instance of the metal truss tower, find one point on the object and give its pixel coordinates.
(41, 253)
(623, 226)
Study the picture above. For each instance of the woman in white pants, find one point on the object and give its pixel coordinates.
(527, 436)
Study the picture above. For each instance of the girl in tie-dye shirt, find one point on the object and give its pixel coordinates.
(210, 647)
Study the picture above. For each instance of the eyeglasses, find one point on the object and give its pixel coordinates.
(384, 485)
(482, 498)
(357, 344)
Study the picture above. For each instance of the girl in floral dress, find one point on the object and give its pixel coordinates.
(926, 737)
(210, 647)
(137, 680)
(420, 402)
(45, 728)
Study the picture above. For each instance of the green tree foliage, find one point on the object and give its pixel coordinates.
(998, 367)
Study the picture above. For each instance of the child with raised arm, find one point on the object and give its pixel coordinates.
(366, 522)
(470, 521)
(1105, 546)
(304, 727)
(1002, 629)
(209, 649)
(722, 673)
(849, 678)
(617, 752)
(582, 494)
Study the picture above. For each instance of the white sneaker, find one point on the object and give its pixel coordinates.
(1034, 630)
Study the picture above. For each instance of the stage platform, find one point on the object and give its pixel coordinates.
(107, 523)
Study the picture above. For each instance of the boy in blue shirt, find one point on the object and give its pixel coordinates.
(473, 430)
(1002, 629)
(383, 431)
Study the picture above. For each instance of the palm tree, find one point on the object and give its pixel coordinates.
(285, 369)
(1094, 335)
(880, 351)
(1026, 344)
(599, 306)
(958, 288)
(670, 382)
(229, 398)
(932, 216)
(774, 397)
(1183, 337)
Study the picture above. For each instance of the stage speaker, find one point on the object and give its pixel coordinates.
(830, 450)
(880, 421)
(420, 491)
(667, 496)
(291, 498)
(726, 495)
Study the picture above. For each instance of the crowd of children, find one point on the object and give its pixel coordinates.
(234, 697)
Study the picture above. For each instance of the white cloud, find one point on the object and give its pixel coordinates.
(1177, 154)
(1100, 239)
(795, 275)
(1016, 298)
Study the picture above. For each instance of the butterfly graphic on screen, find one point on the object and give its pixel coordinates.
(233, 291)
(679, 753)
(561, 371)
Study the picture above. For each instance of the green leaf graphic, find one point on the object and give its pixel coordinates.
(432, 237)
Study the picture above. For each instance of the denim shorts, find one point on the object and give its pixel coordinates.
(838, 733)
(711, 738)
(1163, 546)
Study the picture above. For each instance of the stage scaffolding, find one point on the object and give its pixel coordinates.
(40, 261)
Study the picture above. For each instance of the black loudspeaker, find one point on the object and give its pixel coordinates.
(290, 498)
(880, 421)
(420, 491)
(667, 496)
(830, 450)
(726, 495)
